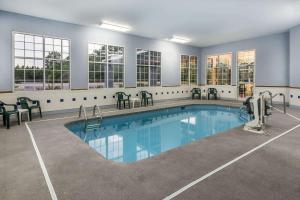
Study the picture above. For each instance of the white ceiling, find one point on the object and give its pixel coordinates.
(205, 22)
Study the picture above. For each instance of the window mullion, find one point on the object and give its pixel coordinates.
(189, 69)
(106, 52)
(149, 70)
(44, 68)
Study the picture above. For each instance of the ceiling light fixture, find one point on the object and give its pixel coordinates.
(179, 39)
(114, 26)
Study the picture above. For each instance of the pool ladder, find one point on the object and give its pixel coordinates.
(243, 112)
(97, 114)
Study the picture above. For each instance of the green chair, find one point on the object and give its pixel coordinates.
(196, 92)
(29, 104)
(6, 110)
(146, 96)
(122, 98)
(2, 114)
(212, 92)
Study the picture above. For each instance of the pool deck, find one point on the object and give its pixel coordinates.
(77, 172)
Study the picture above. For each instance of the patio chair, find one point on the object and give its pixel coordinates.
(2, 114)
(29, 104)
(7, 110)
(196, 92)
(123, 98)
(146, 96)
(212, 92)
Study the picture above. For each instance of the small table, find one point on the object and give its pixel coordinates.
(134, 100)
(21, 111)
(203, 94)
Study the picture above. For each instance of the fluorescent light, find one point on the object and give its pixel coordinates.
(179, 39)
(115, 27)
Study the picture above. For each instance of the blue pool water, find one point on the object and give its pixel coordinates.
(134, 137)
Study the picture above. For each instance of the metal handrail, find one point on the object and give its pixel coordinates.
(82, 108)
(97, 108)
(270, 93)
(283, 99)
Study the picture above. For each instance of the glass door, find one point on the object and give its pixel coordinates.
(246, 67)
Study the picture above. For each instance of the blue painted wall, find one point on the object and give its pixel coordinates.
(295, 57)
(277, 56)
(80, 36)
(272, 58)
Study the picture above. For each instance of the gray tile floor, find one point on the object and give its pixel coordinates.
(78, 172)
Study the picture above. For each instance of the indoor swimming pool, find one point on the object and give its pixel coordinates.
(134, 137)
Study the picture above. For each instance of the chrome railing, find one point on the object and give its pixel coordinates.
(97, 114)
(275, 95)
(82, 109)
(270, 94)
(283, 100)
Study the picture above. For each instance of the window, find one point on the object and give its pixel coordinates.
(148, 68)
(219, 69)
(155, 68)
(184, 68)
(142, 68)
(106, 66)
(193, 70)
(188, 70)
(57, 64)
(97, 65)
(115, 66)
(246, 65)
(41, 63)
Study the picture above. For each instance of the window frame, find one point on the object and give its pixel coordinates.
(13, 57)
(106, 63)
(189, 68)
(237, 70)
(149, 68)
(206, 67)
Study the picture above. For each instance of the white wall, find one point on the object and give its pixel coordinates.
(159, 93)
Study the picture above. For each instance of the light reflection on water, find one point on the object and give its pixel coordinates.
(139, 136)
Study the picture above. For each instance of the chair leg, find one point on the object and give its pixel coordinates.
(30, 114)
(40, 109)
(4, 120)
(18, 118)
(7, 122)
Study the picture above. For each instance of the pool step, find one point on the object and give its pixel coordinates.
(244, 114)
(92, 126)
